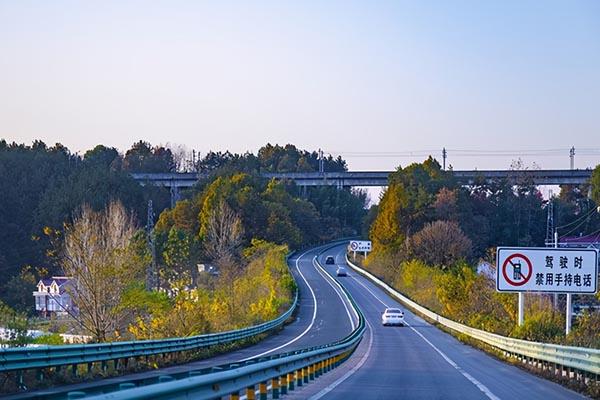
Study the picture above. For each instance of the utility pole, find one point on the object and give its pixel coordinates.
(572, 157)
(321, 162)
(444, 155)
(151, 274)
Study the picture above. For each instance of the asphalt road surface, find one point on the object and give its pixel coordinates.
(324, 315)
(419, 361)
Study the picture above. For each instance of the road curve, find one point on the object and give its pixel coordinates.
(323, 316)
(423, 362)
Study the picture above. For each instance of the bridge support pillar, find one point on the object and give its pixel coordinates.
(175, 195)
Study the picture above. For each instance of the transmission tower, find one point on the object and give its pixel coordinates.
(572, 157)
(550, 221)
(444, 155)
(152, 273)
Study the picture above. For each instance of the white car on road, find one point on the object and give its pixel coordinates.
(392, 316)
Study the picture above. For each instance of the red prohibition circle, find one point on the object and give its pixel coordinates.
(525, 278)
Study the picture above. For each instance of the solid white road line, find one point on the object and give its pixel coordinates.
(328, 278)
(351, 372)
(474, 381)
(312, 321)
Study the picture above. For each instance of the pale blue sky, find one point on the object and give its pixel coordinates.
(344, 76)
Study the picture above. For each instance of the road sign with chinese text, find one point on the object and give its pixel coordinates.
(546, 269)
(360, 245)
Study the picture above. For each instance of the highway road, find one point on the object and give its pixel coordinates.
(323, 316)
(414, 362)
(422, 362)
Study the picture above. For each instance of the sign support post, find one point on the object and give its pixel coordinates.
(569, 315)
(556, 247)
(354, 255)
(521, 308)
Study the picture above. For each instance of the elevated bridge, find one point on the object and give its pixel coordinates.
(380, 178)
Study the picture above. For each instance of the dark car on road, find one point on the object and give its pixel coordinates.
(329, 260)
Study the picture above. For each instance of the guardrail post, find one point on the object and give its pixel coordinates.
(90, 366)
(40, 374)
(311, 372)
(299, 377)
(104, 366)
(20, 379)
(305, 374)
(234, 396)
(275, 387)
(290, 379)
(284, 384)
(74, 370)
(262, 390)
(250, 393)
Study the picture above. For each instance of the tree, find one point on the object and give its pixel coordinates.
(18, 290)
(177, 256)
(102, 156)
(143, 158)
(445, 204)
(595, 182)
(441, 243)
(224, 235)
(16, 325)
(386, 231)
(100, 257)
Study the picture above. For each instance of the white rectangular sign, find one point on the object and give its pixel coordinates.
(360, 245)
(546, 269)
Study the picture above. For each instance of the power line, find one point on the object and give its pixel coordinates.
(577, 220)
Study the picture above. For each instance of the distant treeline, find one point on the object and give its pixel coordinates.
(43, 186)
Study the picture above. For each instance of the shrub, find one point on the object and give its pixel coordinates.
(441, 243)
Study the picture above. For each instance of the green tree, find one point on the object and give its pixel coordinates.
(142, 157)
(176, 255)
(104, 157)
(595, 183)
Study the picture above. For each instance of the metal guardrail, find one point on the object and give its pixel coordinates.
(284, 372)
(582, 359)
(21, 359)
